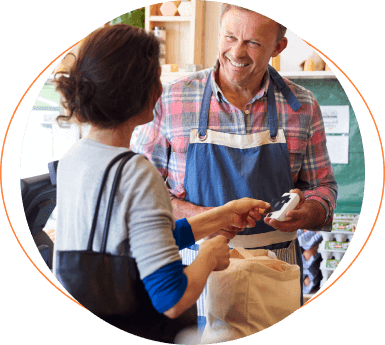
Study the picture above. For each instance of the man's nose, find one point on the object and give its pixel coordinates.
(238, 50)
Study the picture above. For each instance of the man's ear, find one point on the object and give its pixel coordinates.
(279, 47)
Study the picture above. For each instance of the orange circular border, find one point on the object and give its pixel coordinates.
(1, 171)
(5, 208)
(383, 171)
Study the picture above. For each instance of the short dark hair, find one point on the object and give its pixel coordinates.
(226, 7)
(114, 77)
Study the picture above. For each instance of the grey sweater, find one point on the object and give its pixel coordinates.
(142, 221)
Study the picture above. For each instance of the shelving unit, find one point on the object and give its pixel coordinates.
(308, 75)
(330, 248)
(171, 76)
(184, 34)
(168, 77)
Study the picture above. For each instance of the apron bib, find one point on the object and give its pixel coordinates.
(221, 167)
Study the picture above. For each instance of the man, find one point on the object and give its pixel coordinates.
(238, 129)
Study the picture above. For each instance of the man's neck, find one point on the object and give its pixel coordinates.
(237, 95)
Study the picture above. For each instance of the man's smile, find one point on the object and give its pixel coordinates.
(236, 64)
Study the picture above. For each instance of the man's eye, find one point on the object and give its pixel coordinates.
(230, 38)
(254, 44)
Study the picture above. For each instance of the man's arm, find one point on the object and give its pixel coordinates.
(185, 209)
(316, 184)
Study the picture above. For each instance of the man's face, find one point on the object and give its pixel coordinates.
(247, 41)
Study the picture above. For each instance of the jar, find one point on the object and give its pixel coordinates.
(160, 33)
(276, 62)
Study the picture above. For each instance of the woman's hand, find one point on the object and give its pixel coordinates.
(243, 213)
(217, 249)
(229, 232)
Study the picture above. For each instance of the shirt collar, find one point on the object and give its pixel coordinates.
(221, 97)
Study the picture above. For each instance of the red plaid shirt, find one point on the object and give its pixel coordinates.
(165, 140)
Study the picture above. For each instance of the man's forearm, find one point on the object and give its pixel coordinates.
(185, 209)
(318, 215)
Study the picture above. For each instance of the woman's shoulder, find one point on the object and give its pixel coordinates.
(142, 166)
(141, 170)
(143, 185)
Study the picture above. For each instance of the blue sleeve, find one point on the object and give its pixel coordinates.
(183, 234)
(166, 286)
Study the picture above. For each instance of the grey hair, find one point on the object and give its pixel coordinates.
(226, 7)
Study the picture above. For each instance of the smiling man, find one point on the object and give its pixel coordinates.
(241, 130)
(247, 41)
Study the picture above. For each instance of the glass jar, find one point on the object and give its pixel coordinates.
(160, 33)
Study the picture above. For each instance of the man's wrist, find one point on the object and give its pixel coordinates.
(319, 214)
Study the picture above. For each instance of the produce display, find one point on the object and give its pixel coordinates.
(322, 251)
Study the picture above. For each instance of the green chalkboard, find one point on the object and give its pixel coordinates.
(350, 177)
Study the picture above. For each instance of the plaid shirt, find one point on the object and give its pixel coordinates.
(165, 140)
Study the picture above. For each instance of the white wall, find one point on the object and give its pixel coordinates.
(296, 52)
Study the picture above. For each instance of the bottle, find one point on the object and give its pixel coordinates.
(309, 65)
(276, 63)
(160, 33)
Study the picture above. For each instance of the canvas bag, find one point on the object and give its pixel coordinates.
(256, 291)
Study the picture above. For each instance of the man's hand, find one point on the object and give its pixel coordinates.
(307, 215)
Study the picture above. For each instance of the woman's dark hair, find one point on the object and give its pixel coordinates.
(115, 76)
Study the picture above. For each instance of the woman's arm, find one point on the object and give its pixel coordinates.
(240, 213)
(213, 255)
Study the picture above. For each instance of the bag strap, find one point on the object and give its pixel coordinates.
(126, 155)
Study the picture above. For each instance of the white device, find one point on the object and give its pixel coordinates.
(282, 205)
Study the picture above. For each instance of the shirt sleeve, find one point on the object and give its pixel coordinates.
(150, 140)
(150, 226)
(316, 177)
(183, 234)
(166, 286)
(148, 216)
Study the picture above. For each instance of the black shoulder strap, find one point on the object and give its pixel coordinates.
(126, 156)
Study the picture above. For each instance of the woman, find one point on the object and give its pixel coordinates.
(113, 86)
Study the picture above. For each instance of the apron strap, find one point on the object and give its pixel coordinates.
(272, 110)
(205, 106)
(272, 107)
(285, 90)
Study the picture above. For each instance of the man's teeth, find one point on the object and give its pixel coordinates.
(238, 64)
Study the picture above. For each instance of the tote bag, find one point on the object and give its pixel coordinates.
(256, 291)
(109, 285)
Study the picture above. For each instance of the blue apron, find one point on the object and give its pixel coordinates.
(221, 167)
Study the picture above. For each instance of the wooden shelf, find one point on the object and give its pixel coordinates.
(184, 34)
(308, 75)
(169, 77)
(170, 19)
